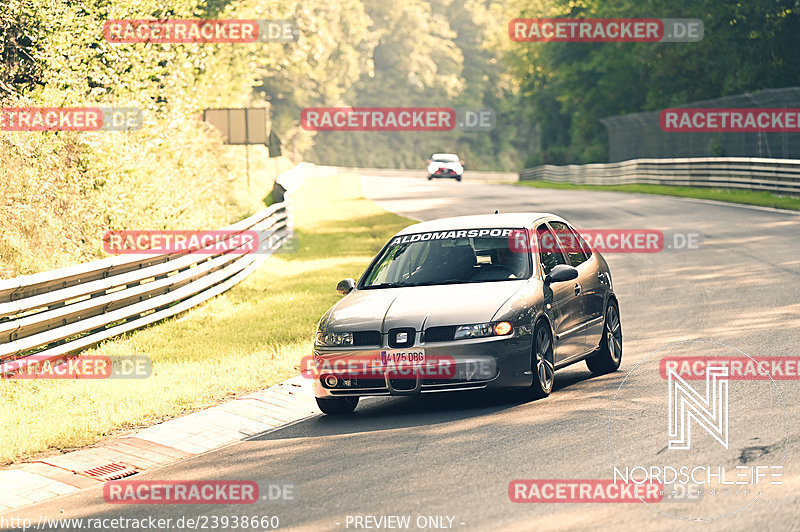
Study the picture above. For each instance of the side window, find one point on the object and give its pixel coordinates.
(549, 254)
(572, 243)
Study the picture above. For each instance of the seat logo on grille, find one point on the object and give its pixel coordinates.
(401, 337)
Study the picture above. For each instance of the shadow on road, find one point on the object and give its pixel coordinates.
(390, 413)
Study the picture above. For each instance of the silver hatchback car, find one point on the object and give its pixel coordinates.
(465, 303)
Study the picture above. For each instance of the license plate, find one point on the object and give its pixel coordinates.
(402, 357)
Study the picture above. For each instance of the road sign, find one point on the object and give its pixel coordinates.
(240, 126)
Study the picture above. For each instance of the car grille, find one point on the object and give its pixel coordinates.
(440, 334)
(403, 384)
(367, 338)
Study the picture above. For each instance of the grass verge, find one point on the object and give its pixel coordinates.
(749, 197)
(246, 339)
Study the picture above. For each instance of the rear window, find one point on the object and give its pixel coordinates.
(439, 158)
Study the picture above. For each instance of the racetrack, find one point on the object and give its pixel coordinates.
(455, 454)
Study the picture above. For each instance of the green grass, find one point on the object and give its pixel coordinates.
(246, 339)
(749, 197)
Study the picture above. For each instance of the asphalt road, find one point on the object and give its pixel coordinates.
(454, 455)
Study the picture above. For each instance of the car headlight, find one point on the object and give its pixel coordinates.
(334, 339)
(481, 330)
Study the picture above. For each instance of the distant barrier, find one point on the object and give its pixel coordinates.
(780, 176)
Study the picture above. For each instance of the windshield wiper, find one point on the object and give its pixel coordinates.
(427, 283)
(385, 285)
(435, 283)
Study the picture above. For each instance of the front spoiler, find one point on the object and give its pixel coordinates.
(498, 362)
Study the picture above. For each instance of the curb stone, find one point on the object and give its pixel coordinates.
(168, 442)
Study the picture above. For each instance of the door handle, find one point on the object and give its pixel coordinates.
(577, 289)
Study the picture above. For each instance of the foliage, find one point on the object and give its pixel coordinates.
(433, 54)
(62, 190)
(570, 86)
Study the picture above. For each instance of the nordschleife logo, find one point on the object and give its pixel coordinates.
(709, 411)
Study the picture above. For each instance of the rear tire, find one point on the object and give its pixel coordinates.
(337, 406)
(609, 355)
(542, 362)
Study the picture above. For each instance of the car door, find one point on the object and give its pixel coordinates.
(565, 298)
(580, 256)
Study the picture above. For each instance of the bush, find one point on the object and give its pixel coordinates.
(63, 190)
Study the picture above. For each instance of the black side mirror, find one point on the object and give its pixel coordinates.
(561, 273)
(348, 285)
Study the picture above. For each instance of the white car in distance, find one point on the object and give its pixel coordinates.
(445, 165)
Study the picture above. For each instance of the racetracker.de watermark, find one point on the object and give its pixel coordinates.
(606, 30)
(189, 492)
(582, 491)
(70, 118)
(603, 240)
(730, 120)
(157, 242)
(738, 368)
(396, 119)
(40, 367)
(187, 31)
(408, 365)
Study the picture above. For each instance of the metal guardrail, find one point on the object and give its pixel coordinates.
(50, 315)
(780, 176)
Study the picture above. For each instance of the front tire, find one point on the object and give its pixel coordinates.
(609, 355)
(458, 178)
(337, 406)
(430, 177)
(542, 365)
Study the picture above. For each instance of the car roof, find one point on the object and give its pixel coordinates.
(480, 221)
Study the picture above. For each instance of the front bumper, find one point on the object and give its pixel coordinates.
(494, 362)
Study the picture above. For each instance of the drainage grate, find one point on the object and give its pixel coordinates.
(111, 471)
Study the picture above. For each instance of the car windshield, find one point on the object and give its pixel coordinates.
(448, 257)
(444, 158)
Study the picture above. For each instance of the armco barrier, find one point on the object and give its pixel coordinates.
(50, 315)
(772, 175)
